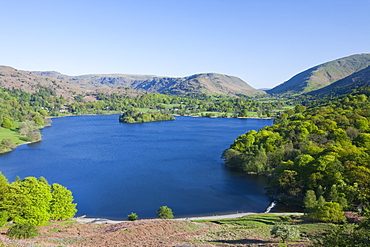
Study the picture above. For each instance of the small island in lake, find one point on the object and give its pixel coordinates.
(139, 117)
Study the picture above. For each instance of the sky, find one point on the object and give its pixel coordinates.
(263, 42)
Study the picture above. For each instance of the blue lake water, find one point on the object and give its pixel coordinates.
(114, 169)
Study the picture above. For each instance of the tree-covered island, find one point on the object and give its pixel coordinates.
(139, 117)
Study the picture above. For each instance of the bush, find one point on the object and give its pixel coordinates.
(132, 217)
(23, 230)
(329, 212)
(3, 217)
(165, 212)
(284, 232)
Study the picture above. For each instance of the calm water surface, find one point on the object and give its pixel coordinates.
(114, 169)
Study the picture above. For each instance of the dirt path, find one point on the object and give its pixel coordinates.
(213, 217)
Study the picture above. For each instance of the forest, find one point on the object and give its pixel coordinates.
(318, 151)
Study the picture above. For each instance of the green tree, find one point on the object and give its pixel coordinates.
(28, 201)
(333, 194)
(329, 212)
(309, 201)
(3, 217)
(38, 120)
(343, 236)
(132, 217)
(61, 205)
(284, 232)
(6, 145)
(321, 201)
(4, 185)
(7, 123)
(165, 212)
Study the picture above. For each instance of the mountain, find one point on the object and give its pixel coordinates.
(207, 83)
(346, 85)
(18, 79)
(323, 75)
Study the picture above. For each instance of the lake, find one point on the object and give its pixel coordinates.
(114, 169)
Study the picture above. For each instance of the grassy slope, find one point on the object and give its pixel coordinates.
(256, 229)
(11, 134)
(346, 85)
(322, 75)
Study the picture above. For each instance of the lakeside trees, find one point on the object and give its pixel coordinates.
(322, 145)
(165, 212)
(34, 201)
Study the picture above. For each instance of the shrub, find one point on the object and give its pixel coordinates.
(3, 217)
(165, 212)
(132, 217)
(23, 230)
(284, 232)
(7, 123)
(329, 212)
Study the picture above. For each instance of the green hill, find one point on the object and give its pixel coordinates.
(209, 83)
(323, 75)
(346, 85)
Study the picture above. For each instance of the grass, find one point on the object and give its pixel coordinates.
(59, 225)
(256, 228)
(11, 134)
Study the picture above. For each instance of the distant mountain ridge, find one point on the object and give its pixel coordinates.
(206, 83)
(12, 78)
(323, 75)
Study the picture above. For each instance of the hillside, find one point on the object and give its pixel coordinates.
(210, 83)
(346, 85)
(11, 78)
(323, 75)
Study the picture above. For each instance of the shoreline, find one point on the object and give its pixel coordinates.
(85, 220)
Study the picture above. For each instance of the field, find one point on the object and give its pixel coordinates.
(11, 134)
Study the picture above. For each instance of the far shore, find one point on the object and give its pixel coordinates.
(214, 217)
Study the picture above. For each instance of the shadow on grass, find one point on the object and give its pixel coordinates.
(247, 222)
(244, 241)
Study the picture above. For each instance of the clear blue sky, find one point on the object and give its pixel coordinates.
(264, 42)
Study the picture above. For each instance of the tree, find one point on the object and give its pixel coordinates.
(7, 123)
(28, 201)
(310, 201)
(4, 185)
(284, 232)
(6, 145)
(321, 201)
(38, 120)
(3, 217)
(333, 194)
(30, 130)
(344, 235)
(132, 217)
(329, 212)
(165, 212)
(61, 205)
